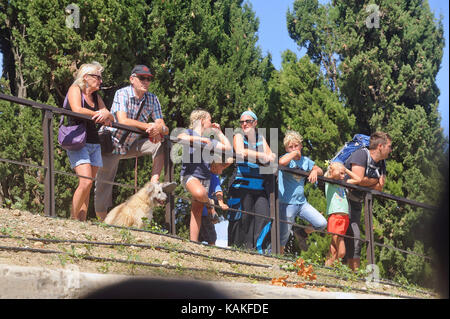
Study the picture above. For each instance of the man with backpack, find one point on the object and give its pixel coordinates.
(369, 164)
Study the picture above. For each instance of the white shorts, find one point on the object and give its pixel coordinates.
(186, 178)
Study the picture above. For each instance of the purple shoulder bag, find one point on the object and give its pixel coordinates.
(71, 138)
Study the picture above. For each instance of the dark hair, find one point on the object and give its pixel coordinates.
(378, 138)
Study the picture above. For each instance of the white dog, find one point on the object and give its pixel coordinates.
(138, 206)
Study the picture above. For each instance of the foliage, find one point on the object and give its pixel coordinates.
(355, 78)
(202, 55)
(110, 32)
(21, 131)
(383, 68)
(306, 105)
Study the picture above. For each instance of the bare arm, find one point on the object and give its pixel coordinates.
(153, 129)
(192, 138)
(222, 204)
(103, 115)
(157, 129)
(265, 156)
(354, 178)
(74, 99)
(286, 158)
(365, 181)
(316, 171)
(381, 181)
(224, 143)
(122, 118)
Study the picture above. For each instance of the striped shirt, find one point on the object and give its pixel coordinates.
(125, 100)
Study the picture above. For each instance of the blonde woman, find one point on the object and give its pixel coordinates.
(82, 98)
(195, 170)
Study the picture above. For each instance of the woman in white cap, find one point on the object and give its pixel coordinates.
(247, 191)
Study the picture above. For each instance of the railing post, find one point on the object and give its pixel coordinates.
(49, 175)
(168, 177)
(368, 218)
(274, 213)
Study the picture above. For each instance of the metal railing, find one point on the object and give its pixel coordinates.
(49, 181)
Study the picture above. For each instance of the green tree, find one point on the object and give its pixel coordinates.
(386, 56)
(42, 54)
(46, 52)
(300, 93)
(203, 54)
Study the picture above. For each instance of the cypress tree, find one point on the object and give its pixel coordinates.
(387, 57)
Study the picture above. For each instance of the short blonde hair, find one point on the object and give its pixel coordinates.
(84, 69)
(332, 166)
(292, 136)
(197, 115)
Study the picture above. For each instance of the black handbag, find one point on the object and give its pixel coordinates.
(106, 141)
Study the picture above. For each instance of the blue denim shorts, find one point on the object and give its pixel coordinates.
(89, 154)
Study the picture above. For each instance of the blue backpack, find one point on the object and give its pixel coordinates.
(358, 141)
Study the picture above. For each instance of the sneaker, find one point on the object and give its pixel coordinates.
(301, 236)
(168, 187)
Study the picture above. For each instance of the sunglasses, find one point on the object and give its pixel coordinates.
(246, 121)
(98, 77)
(143, 78)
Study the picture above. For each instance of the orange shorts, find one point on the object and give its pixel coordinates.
(338, 224)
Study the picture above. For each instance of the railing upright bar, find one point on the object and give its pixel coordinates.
(274, 213)
(168, 177)
(368, 218)
(49, 175)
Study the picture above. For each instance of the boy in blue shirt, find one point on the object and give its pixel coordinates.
(291, 192)
(207, 229)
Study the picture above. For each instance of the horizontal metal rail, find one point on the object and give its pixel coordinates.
(274, 213)
(360, 188)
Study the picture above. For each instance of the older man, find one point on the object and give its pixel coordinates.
(133, 106)
(369, 164)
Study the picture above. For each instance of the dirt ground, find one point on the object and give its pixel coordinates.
(28, 239)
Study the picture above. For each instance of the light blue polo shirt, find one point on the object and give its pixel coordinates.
(290, 186)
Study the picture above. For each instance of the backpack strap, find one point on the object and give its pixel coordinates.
(369, 165)
(65, 105)
(124, 137)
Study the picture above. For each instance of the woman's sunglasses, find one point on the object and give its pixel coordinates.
(98, 77)
(246, 121)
